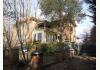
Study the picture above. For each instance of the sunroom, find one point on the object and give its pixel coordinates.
(44, 36)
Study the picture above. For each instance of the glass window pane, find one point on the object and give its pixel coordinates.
(40, 37)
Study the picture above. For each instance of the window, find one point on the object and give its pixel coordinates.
(39, 37)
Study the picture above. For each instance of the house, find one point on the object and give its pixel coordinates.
(69, 32)
(44, 32)
(31, 32)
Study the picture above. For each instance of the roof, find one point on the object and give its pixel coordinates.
(51, 24)
(48, 24)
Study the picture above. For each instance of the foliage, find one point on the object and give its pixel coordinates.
(76, 48)
(47, 48)
(93, 36)
(90, 50)
(29, 47)
(90, 39)
(62, 47)
(89, 43)
(54, 8)
(92, 9)
(59, 10)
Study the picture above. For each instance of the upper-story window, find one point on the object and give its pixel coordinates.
(39, 38)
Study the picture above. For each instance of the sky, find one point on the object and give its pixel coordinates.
(86, 23)
(84, 26)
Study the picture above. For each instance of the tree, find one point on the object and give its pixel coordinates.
(89, 42)
(60, 9)
(22, 14)
(92, 9)
(92, 37)
(9, 41)
(16, 11)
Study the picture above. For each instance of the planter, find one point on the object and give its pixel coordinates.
(36, 61)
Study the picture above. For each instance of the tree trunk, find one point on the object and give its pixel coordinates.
(61, 26)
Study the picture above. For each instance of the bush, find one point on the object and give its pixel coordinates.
(47, 48)
(61, 47)
(90, 50)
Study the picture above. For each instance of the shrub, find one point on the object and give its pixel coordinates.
(61, 47)
(47, 48)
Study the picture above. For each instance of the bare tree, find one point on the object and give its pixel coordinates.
(7, 24)
(17, 11)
